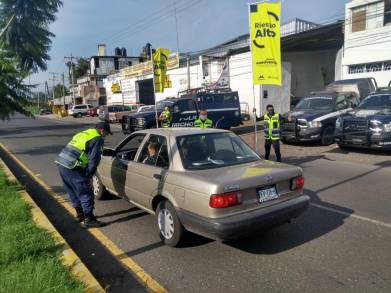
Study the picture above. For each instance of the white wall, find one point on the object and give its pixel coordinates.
(311, 70)
(368, 46)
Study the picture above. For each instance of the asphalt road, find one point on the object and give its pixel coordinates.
(341, 244)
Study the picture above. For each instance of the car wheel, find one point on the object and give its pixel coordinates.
(170, 228)
(79, 115)
(327, 137)
(99, 190)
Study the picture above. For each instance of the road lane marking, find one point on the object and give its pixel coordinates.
(118, 253)
(349, 215)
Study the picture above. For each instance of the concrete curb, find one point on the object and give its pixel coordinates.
(68, 257)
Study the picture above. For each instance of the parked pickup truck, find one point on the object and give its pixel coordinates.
(369, 126)
(315, 115)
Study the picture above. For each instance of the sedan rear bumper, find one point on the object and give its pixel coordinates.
(238, 226)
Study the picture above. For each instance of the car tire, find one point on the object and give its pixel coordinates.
(79, 115)
(100, 192)
(327, 137)
(171, 230)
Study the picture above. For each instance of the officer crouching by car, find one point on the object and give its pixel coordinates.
(77, 163)
(272, 130)
(203, 121)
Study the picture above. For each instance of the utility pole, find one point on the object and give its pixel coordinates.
(53, 79)
(188, 71)
(38, 99)
(63, 88)
(72, 77)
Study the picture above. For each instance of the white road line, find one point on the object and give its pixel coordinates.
(379, 223)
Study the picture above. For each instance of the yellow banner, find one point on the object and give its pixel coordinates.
(266, 43)
(145, 68)
(160, 60)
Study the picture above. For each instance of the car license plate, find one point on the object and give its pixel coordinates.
(266, 194)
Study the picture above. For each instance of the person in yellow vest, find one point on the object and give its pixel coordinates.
(165, 117)
(272, 131)
(77, 163)
(203, 121)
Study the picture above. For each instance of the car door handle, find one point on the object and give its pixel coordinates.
(157, 176)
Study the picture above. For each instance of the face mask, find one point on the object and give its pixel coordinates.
(203, 117)
(271, 112)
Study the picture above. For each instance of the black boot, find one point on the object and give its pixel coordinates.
(79, 214)
(91, 222)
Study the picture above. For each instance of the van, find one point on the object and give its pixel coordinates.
(79, 110)
(223, 109)
(361, 86)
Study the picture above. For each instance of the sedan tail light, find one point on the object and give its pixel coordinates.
(224, 200)
(297, 183)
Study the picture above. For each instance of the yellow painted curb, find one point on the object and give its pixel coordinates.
(118, 253)
(68, 256)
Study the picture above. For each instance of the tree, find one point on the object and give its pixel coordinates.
(58, 91)
(14, 95)
(27, 37)
(80, 68)
(24, 44)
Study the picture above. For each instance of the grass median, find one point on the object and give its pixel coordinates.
(29, 257)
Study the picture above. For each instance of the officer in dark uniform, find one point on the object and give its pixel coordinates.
(77, 163)
(272, 131)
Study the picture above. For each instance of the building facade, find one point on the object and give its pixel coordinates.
(367, 46)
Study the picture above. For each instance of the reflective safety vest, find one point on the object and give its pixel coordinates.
(167, 117)
(208, 123)
(271, 127)
(73, 154)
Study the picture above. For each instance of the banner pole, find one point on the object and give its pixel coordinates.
(252, 78)
(153, 81)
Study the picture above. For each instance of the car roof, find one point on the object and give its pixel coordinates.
(181, 131)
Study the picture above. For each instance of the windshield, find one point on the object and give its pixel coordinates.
(316, 103)
(214, 150)
(160, 105)
(146, 109)
(376, 102)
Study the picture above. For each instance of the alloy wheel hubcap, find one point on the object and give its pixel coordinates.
(166, 223)
(95, 185)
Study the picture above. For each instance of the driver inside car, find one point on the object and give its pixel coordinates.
(152, 155)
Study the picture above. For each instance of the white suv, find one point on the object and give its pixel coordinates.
(79, 110)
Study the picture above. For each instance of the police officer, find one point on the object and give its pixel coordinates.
(203, 121)
(271, 129)
(77, 163)
(166, 117)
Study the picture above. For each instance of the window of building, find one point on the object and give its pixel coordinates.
(370, 67)
(387, 12)
(367, 17)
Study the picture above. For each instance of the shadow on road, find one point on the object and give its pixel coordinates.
(351, 150)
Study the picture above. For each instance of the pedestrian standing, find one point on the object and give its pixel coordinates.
(166, 117)
(272, 130)
(203, 121)
(77, 163)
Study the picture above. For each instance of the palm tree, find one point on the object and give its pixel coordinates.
(28, 36)
(25, 40)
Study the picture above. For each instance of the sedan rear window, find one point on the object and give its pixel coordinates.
(214, 150)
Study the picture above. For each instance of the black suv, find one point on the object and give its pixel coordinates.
(369, 126)
(315, 115)
(223, 108)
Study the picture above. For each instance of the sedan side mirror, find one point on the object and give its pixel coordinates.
(108, 152)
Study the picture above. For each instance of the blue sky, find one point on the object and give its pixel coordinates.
(82, 24)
